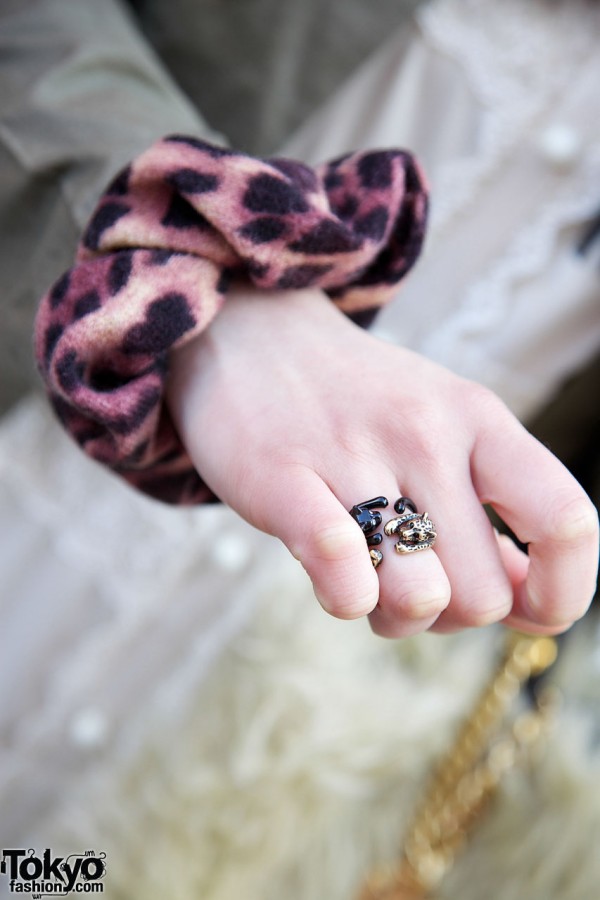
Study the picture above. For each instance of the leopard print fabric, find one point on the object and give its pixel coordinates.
(153, 267)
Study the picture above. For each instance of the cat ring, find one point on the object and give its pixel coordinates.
(365, 515)
(414, 531)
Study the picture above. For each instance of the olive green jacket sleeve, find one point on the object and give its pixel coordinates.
(80, 94)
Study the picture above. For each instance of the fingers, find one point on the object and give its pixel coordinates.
(516, 564)
(413, 589)
(467, 548)
(408, 593)
(468, 578)
(548, 510)
(404, 595)
(318, 530)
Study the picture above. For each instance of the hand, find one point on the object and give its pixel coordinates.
(292, 414)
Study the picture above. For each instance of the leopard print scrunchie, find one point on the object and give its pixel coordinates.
(153, 267)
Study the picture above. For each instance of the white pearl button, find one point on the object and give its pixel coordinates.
(88, 728)
(560, 145)
(231, 553)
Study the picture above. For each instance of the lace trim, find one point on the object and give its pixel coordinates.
(530, 252)
(519, 60)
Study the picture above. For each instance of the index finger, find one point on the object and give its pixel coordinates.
(547, 509)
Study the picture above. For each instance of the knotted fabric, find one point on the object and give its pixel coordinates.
(154, 263)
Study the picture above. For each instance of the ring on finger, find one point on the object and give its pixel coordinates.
(415, 531)
(366, 515)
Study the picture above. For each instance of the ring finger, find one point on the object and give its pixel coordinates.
(413, 587)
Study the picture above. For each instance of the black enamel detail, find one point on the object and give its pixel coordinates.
(404, 503)
(365, 514)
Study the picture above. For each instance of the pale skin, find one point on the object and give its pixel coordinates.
(292, 414)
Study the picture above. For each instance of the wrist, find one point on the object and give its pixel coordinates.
(245, 331)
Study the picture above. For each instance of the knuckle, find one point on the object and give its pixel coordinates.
(488, 413)
(429, 436)
(573, 522)
(337, 543)
(344, 606)
(399, 627)
(475, 613)
(472, 608)
(424, 601)
(488, 615)
(484, 401)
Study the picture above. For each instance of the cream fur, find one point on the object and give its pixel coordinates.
(302, 758)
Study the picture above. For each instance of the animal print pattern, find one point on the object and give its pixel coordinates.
(154, 263)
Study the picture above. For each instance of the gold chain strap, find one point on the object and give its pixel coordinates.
(468, 775)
